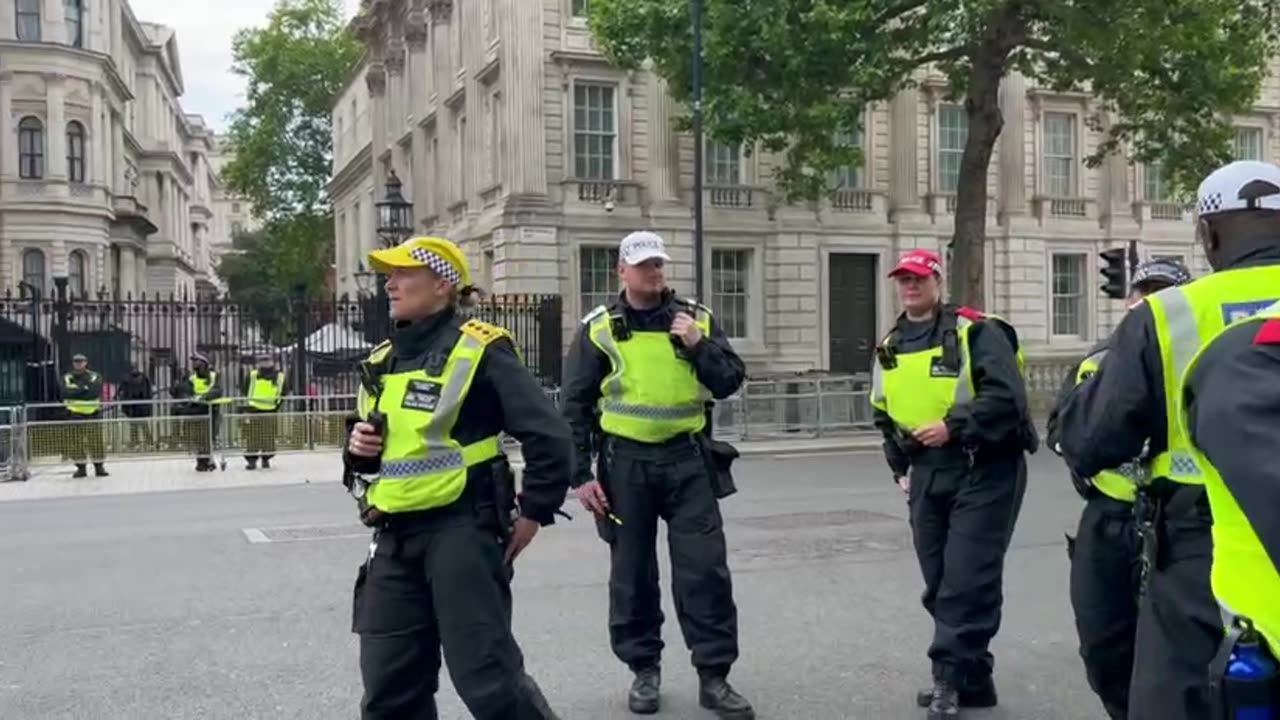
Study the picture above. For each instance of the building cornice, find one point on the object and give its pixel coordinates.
(357, 168)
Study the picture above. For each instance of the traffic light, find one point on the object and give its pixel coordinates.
(1116, 273)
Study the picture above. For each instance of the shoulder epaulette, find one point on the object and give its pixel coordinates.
(596, 312)
(379, 351)
(970, 314)
(693, 304)
(1268, 334)
(483, 331)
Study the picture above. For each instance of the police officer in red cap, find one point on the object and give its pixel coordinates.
(950, 399)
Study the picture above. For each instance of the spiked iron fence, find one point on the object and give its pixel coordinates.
(317, 342)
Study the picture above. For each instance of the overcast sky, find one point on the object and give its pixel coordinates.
(204, 29)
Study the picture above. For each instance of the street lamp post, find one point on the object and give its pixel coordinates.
(395, 224)
(698, 153)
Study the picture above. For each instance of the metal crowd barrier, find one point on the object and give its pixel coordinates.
(48, 434)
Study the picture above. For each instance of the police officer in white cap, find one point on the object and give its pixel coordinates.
(1131, 401)
(639, 377)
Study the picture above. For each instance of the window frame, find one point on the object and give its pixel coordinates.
(1083, 330)
(1238, 131)
(31, 148)
(76, 133)
(78, 291)
(1073, 176)
(74, 8)
(615, 145)
(40, 274)
(754, 342)
(581, 266)
(944, 108)
(19, 13)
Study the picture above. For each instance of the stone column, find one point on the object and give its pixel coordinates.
(395, 94)
(1013, 146)
(55, 128)
(415, 38)
(128, 272)
(442, 64)
(8, 130)
(119, 183)
(95, 142)
(522, 70)
(662, 142)
(904, 166)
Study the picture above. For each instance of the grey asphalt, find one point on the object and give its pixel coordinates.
(161, 605)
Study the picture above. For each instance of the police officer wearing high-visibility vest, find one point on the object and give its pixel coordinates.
(647, 365)
(426, 464)
(1230, 410)
(949, 397)
(1104, 553)
(202, 392)
(1129, 405)
(263, 395)
(82, 397)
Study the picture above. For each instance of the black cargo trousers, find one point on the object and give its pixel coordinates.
(963, 513)
(670, 481)
(436, 579)
(1179, 623)
(1105, 574)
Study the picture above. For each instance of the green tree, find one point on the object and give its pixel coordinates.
(269, 270)
(293, 66)
(795, 75)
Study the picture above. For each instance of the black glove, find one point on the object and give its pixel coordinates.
(1083, 486)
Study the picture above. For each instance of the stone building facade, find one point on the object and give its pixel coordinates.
(104, 180)
(514, 136)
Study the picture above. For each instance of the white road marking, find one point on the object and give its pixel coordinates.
(256, 536)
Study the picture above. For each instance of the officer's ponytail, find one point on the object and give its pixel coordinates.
(469, 296)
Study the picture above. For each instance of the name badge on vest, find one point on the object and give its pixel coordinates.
(421, 395)
(939, 369)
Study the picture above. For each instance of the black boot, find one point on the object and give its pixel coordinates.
(980, 694)
(100, 470)
(643, 698)
(715, 693)
(251, 463)
(266, 462)
(945, 703)
(80, 471)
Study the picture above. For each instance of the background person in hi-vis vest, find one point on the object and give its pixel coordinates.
(265, 388)
(1104, 554)
(1129, 405)
(1230, 410)
(426, 465)
(949, 397)
(647, 366)
(82, 398)
(202, 391)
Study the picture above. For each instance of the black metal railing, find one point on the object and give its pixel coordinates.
(317, 342)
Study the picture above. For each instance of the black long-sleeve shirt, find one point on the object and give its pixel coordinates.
(1233, 411)
(717, 366)
(995, 416)
(504, 397)
(82, 385)
(1107, 420)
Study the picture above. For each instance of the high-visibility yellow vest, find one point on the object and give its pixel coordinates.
(80, 407)
(264, 393)
(423, 466)
(200, 386)
(650, 394)
(1122, 483)
(1245, 580)
(1186, 316)
(914, 394)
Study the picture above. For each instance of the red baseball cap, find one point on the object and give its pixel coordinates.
(921, 263)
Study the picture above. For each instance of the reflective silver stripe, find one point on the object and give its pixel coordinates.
(603, 336)
(964, 388)
(1184, 331)
(877, 383)
(650, 412)
(440, 454)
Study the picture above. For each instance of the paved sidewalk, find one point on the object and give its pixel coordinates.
(166, 475)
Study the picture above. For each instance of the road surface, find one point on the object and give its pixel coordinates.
(236, 604)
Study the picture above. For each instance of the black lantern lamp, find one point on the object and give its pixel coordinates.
(395, 225)
(395, 214)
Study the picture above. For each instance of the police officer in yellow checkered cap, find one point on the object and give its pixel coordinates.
(426, 464)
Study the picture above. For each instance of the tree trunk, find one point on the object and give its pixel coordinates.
(982, 104)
